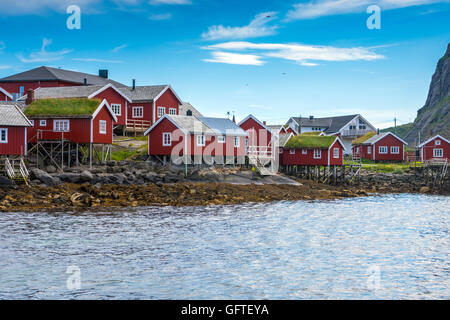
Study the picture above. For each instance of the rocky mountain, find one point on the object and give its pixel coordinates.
(434, 117)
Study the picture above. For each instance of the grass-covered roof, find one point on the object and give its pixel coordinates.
(310, 142)
(73, 107)
(311, 133)
(364, 138)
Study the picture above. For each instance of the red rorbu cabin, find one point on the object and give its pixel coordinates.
(259, 135)
(13, 131)
(5, 95)
(204, 140)
(312, 150)
(380, 147)
(435, 148)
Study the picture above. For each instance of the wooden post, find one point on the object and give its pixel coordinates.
(90, 155)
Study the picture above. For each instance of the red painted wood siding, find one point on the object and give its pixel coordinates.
(96, 135)
(257, 134)
(113, 97)
(308, 159)
(167, 100)
(148, 111)
(4, 97)
(388, 141)
(16, 142)
(14, 87)
(427, 150)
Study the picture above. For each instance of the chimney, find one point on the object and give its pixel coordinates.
(30, 97)
(311, 118)
(234, 119)
(103, 73)
(378, 131)
(134, 84)
(265, 122)
(85, 81)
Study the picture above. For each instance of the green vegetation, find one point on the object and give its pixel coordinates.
(365, 137)
(384, 167)
(400, 131)
(129, 153)
(62, 107)
(311, 133)
(308, 141)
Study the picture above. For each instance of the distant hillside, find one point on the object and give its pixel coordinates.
(401, 131)
(435, 115)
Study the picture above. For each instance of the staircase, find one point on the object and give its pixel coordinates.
(260, 157)
(16, 170)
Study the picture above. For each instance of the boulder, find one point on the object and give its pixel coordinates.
(70, 177)
(5, 182)
(81, 200)
(50, 169)
(86, 176)
(44, 177)
(424, 190)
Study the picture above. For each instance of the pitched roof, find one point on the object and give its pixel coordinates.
(223, 126)
(10, 115)
(310, 142)
(6, 93)
(187, 106)
(275, 127)
(433, 138)
(284, 138)
(53, 74)
(71, 108)
(64, 92)
(143, 93)
(372, 139)
(250, 116)
(333, 124)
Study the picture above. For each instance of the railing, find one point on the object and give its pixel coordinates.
(9, 169)
(355, 132)
(138, 125)
(260, 151)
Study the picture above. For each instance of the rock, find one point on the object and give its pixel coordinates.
(81, 200)
(424, 190)
(70, 177)
(86, 176)
(50, 169)
(5, 182)
(44, 177)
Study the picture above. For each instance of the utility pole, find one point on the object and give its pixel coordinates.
(395, 125)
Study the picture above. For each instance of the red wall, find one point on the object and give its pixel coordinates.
(4, 97)
(427, 150)
(97, 137)
(257, 134)
(16, 141)
(308, 159)
(389, 141)
(167, 100)
(113, 97)
(14, 87)
(148, 111)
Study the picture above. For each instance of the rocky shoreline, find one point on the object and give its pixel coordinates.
(137, 184)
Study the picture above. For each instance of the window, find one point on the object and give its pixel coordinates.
(438, 153)
(395, 150)
(173, 111)
(161, 111)
(167, 139)
(61, 126)
(336, 153)
(304, 151)
(237, 142)
(138, 112)
(21, 91)
(117, 109)
(189, 113)
(200, 140)
(383, 150)
(221, 139)
(102, 127)
(43, 123)
(369, 150)
(317, 153)
(437, 142)
(357, 150)
(3, 135)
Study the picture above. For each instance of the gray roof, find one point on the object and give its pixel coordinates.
(274, 127)
(191, 125)
(223, 126)
(333, 124)
(65, 92)
(283, 138)
(10, 115)
(53, 74)
(142, 93)
(187, 106)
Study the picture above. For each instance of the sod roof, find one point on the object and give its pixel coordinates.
(364, 138)
(73, 107)
(311, 133)
(310, 142)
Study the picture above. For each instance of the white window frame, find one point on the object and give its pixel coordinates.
(395, 150)
(5, 130)
(440, 155)
(291, 151)
(161, 111)
(114, 105)
(137, 112)
(57, 126)
(437, 142)
(201, 141)
(167, 139)
(42, 123)
(221, 139)
(237, 142)
(383, 150)
(173, 111)
(336, 153)
(102, 125)
(304, 151)
(317, 154)
(369, 150)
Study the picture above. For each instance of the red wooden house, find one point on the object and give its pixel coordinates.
(117, 101)
(43, 77)
(186, 137)
(150, 103)
(436, 147)
(5, 95)
(78, 120)
(380, 147)
(13, 131)
(259, 134)
(312, 150)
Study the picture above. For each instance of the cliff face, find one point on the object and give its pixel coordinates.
(435, 115)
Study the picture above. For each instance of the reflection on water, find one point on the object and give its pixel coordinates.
(369, 248)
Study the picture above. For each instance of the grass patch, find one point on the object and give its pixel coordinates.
(364, 138)
(308, 141)
(311, 134)
(384, 167)
(62, 107)
(128, 154)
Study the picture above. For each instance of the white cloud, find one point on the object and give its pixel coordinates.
(235, 58)
(258, 27)
(161, 17)
(306, 55)
(118, 48)
(158, 2)
(319, 8)
(43, 55)
(96, 60)
(14, 7)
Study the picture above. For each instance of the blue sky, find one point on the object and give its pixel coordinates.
(274, 59)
